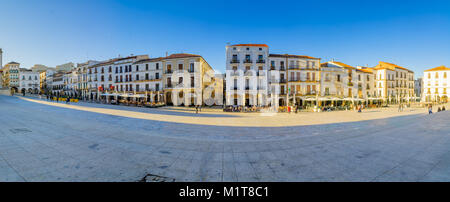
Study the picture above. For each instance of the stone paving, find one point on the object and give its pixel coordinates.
(45, 141)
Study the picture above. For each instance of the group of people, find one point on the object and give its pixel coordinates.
(50, 97)
(430, 109)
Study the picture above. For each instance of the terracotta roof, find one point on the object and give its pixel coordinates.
(337, 63)
(292, 56)
(367, 70)
(149, 60)
(181, 55)
(263, 45)
(440, 68)
(387, 65)
(343, 64)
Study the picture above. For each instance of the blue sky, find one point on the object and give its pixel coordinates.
(413, 34)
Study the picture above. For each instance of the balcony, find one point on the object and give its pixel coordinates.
(234, 61)
(247, 61)
(260, 61)
(169, 72)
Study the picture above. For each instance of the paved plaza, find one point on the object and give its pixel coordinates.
(49, 141)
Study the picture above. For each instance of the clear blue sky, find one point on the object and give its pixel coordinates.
(414, 34)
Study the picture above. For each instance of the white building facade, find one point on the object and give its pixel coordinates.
(436, 83)
(29, 81)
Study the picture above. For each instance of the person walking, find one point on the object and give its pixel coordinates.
(443, 108)
(196, 109)
(439, 109)
(430, 109)
(67, 100)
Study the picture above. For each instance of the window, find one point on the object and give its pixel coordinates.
(137, 69)
(180, 66)
(157, 87)
(146, 87)
(157, 65)
(180, 80)
(437, 75)
(445, 74)
(137, 78)
(146, 66)
(137, 87)
(157, 75)
(109, 70)
(146, 76)
(191, 67)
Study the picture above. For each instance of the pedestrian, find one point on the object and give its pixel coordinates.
(296, 109)
(439, 109)
(196, 109)
(359, 109)
(430, 109)
(399, 107)
(68, 100)
(443, 108)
